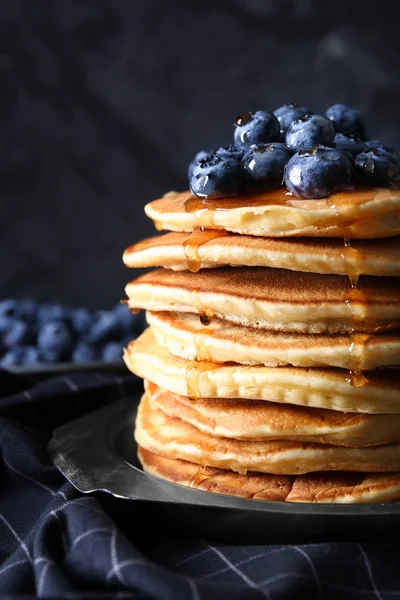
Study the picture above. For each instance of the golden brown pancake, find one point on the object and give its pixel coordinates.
(339, 487)
(174, 438)
(185, 337)
(274, 299)
(355, 214)
(208, 248)
(377, 392)
(260, 420)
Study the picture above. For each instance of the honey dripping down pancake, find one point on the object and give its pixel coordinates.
(320, 388)
(185, 337)
(273, 299)
(260, 420)
(339, 487)
(361, 213)
(207, 248)
(174, 438)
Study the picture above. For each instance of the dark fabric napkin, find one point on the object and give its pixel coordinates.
(58, 543)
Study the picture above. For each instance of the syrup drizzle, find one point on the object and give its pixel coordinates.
(197, 238)
(199, 341)
(193, 371)
(357, 341)
(198, 477)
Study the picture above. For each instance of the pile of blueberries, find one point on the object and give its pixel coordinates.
(32, 334)
(314, 155)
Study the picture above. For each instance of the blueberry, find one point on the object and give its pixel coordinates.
(317, 172)
(310, 131)
(346, 120)
(217, 177)
(20, 356)
(10, 310)
(52, 312)
(31, 356)
(84, 352)
(348, 144)
(258, 127)
(199, 156)
(19, 333)
(28, 309)
(55, 341)
(107, 328)
(374, 168)
(264, 165)
(390, 153)
(128, 321)
(230, 152)
(112, 352)
(287, 113)
(81, 320)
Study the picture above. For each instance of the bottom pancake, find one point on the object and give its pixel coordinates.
(174, 438)
(340, 488)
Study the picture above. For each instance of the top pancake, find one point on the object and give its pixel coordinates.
(210, 248)
(356, 214)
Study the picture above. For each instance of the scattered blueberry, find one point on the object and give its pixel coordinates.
(28, 310)
(346, 120)
(31, 356)
(112, 352)
(287, 113)
(82, 320)
(217, 176)
(258, 127)
(84, 352)
(230, 152)
(108, 327)
(19, 334)
(348, 144)
(127, 319)
(310, 131)
(264, 165)
(374, 168)
(9, 311)
(52, 312)
(55, 341)
(13, 358)
(317, 172)
(199, 156)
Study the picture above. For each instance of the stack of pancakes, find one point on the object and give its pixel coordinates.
(271, 361)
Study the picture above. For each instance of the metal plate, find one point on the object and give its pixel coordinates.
(98, 453)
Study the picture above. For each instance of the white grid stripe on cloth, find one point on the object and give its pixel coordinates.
(369, 571)
(125, 563)
(42, 577)
(194, 589)
(19, 540)
(45, 487)
(116, 568)
(14, 564)
(313, 569)
(90, 532)
(245, 561)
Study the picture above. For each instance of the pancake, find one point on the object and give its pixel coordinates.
(335, 389)
(174, 438)
(185, 337)
(274, 299)
(339, 487)
(356, 214)
(259, 420)
(209, 248)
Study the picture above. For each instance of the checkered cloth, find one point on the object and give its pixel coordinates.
(56, 542)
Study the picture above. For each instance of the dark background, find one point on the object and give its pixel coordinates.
(104, 102)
